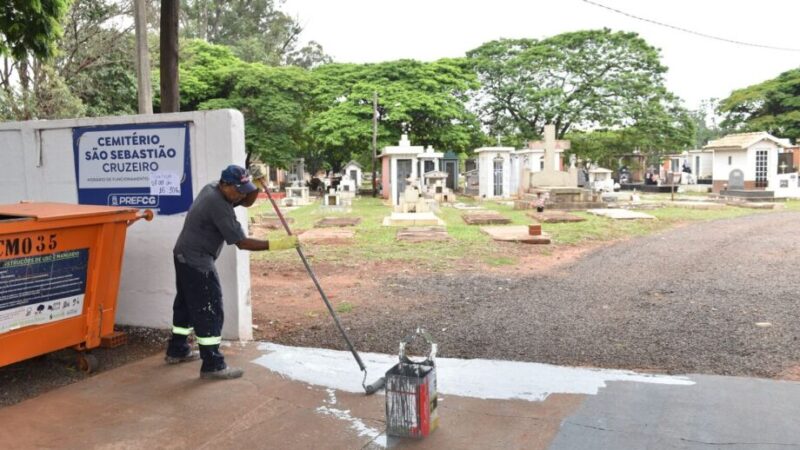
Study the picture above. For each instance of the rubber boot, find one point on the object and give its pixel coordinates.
(214, 367)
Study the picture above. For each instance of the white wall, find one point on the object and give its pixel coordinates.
(705, 168)
(792, 189)
(721, 167)
(38, 164)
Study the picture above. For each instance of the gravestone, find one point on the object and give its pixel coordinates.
(423, 234)
(487, 217)
(736, 179)
(337, 222)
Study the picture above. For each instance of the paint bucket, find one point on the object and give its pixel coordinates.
(411, 395)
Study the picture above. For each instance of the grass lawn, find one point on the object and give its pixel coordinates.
(374, 242)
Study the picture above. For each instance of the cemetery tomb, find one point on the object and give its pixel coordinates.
(296, 196)
(412, 219)
(559, 188)
(450, 166)
(487, 217)
(398, 164)
(494, 172)
(555, 216)
(422, 234)
(515, 233)
(269, 221)
(327, 236)
(331, 222)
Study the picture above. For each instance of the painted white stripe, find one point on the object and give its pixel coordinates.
(478, 378)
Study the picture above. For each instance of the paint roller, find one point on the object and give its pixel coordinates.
(258, 173)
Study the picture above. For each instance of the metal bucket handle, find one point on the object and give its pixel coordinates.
(409, 339)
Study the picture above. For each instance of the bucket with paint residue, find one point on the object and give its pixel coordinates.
(411, 395)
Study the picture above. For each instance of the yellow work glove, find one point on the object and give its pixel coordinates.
(284, 243)
(259, 174)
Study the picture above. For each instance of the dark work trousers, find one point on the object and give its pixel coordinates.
(198, 305)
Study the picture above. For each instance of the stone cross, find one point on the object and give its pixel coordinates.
(549, 147)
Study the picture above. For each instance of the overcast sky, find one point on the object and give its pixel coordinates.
(377, 30)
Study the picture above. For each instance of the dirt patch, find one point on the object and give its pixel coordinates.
(790, 374)
(286, 300)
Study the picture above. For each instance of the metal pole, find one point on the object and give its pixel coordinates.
(142, 58)
(374, 142)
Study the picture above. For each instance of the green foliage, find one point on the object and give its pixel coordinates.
(772, 106)
(96, 58)
(31, 27)
(706, 122)
(273, 100)
(430, 97)
(206, 72)
(256, 31)
(583, 79)
(663, 129)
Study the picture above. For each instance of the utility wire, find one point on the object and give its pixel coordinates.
(696, 33)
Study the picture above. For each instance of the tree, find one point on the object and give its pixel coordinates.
(28, 33)
(273, 100)
(30, 27)
(256, 30)
(583, 79)
(95, 58)
(706, 122)
(662, 127)
(430, 97)
(772, 106)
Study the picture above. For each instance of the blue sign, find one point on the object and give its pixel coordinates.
(42, 289)
(141, 166)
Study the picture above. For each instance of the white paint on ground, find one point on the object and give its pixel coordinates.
(478, 378)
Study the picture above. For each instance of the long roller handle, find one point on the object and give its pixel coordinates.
(319, 287)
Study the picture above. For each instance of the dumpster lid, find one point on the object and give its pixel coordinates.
(44, 211)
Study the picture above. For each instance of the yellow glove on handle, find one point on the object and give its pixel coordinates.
(284, 243)
(259, 174)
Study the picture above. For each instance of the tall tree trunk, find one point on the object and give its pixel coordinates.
(170, 95)
(204, 21)
(25, 83)
(142, 58)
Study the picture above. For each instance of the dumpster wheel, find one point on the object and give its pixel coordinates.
(87, 363)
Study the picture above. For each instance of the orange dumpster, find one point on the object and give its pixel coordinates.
(59, 276)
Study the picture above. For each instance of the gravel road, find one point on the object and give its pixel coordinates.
(687, 300)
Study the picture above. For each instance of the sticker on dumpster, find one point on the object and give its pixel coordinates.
(41, 289)
(142, 166)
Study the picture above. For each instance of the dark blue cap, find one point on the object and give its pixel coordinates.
(239, 177)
